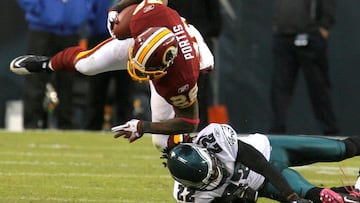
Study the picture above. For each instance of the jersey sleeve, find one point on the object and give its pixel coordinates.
(221, 139)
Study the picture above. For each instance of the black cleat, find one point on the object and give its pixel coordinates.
(27, 64)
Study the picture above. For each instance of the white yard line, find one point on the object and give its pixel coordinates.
(79, 147)
(71, 154)
(54, 199)
(118, 175)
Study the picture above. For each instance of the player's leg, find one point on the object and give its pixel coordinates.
(111, 54)
(28, 64)
(160, 110)
(284, 77)
(308, 191)
(282, 160)
(315, 65)
(304, 150)
(35, 117)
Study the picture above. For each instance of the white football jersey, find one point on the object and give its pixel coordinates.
(223, 140)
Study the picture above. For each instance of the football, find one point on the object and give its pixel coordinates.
(122, 25)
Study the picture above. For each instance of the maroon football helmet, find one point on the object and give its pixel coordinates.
(153, 52)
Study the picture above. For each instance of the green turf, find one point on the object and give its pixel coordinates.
(76, 166)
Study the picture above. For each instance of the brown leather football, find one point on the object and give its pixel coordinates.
(122, 25)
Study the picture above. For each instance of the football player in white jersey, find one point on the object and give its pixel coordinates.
(220, 166)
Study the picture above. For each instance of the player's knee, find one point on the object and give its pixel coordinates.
(165, 142)
(160, 141)
(82, 67)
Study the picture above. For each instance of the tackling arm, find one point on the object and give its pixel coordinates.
(247, 154)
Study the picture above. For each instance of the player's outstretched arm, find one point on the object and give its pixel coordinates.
(247, 154)
(185, 121)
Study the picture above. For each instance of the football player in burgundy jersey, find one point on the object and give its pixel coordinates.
(174, 105)
(179, 86)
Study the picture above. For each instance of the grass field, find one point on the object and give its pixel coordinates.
(78, 166)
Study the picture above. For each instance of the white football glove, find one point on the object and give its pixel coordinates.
(130, 130)
(112, 18)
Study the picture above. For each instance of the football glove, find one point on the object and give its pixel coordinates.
(130, 130)
(234, 193)
(112, 18)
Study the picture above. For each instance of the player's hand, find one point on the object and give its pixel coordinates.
(130, 130)
(235, 193)
(112, 18)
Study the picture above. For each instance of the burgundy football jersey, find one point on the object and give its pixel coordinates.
(179, 85)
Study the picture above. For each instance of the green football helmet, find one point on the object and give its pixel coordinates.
(195, 167)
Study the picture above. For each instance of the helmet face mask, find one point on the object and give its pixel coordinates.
(153, 52)
(193, 166)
